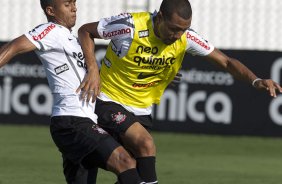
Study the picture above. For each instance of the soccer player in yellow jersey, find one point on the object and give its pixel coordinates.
(143, 57)
(73, 125)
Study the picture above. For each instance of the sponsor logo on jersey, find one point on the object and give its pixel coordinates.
(61, 69)
(79, 57)
(144, 76)
(152, 61)
(144, 33)
(198, 41)
(138, 85)
(118, 118)
(44, 33)
(116, 32)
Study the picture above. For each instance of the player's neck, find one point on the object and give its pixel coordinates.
(61, 23)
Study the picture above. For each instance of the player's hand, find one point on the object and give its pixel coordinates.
(90, 86)
(268, 85)
(176, 79)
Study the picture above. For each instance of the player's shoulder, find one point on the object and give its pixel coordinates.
(141, 14)
(191, 32)
(116, 26)
(121, 18)
(192, 35)
(42, 30)
(45, 27)
(129, 16)
(197, 44)
(123, 15)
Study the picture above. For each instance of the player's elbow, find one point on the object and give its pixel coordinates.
(89, 30)
(82, 31)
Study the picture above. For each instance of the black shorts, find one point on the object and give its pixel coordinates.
(116, 119)
(78, 138)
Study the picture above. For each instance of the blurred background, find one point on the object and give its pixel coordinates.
(210, 128)
(240, 24)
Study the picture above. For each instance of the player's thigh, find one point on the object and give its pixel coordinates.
(138, 132)
(76, 137)
(77, 174)
(138, 140)
(113, 117)
(101, 155)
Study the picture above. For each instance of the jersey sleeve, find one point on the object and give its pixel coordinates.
(116, 27)
(196, 45)
(43, 36)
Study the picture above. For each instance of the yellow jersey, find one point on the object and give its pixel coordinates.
(139, 78)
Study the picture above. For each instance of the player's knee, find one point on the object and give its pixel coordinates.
(120, 161)
(146, 146)
(126, 161)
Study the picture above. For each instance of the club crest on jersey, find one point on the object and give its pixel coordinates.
(144, 33)
(61, 69)
(118, 118)
(99, 130)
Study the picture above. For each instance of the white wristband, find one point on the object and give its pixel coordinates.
(254, 81)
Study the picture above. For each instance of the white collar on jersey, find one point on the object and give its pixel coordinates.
(63, 27)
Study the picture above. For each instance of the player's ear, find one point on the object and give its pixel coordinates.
(159, 15)
(50, 11)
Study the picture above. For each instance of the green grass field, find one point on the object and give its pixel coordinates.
(28, 156)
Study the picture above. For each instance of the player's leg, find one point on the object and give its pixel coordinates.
(92, 175)
(115, 119)
(146, 162)
(77, 138)
(140, 142)
(113, 157)
(76, 174)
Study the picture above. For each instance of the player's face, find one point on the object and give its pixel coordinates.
(170, 30)
(65, 12)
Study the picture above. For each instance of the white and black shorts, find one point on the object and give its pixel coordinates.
(80, 139)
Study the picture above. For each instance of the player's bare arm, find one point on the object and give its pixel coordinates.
(91, 82)
(241, 72)
(17, 46)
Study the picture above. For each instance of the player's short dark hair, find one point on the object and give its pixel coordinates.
(181, 7)
(45, 3)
